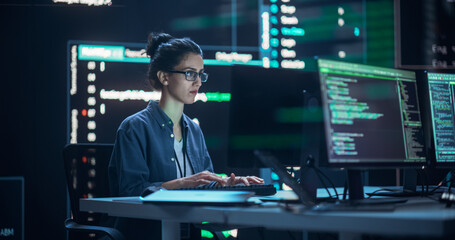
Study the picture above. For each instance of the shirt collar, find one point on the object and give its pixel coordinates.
(161, 117)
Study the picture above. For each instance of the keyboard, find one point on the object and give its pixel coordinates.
(259, 190)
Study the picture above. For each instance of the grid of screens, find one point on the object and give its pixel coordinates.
(442, 96)
(371, 114)
(293, 32)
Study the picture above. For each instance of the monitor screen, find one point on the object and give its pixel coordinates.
(441, 100)
(371, 116)
(104, 87)
(266, 113)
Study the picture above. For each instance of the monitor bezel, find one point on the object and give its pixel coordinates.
(325, 161)
(429, 128)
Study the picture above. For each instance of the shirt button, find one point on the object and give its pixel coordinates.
(172, 135)
(162, 125)
(172, 159)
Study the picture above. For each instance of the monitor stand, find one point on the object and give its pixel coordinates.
(409, 188)
(356, 193)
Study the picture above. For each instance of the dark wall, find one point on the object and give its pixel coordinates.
(33, 36)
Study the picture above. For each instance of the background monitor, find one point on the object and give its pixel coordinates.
(441, 102)
(266, 113)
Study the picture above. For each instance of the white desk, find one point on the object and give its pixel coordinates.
(418, 217)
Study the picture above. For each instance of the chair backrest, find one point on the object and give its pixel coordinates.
(86, 169)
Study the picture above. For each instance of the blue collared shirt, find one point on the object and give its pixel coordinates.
(143, 154)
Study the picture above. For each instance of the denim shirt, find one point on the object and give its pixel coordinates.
(143, 153)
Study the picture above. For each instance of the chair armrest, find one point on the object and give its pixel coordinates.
(111, 232)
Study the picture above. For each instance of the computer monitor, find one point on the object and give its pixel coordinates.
(266, 113)
(441, 97)
(371, 119)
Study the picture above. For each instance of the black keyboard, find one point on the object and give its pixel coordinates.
(259, 190)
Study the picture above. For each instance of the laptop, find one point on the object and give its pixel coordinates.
(198, 197)
(272, 162)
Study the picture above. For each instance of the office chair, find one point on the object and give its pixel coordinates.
(86, 176)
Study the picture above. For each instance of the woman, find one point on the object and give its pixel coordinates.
(161, 147)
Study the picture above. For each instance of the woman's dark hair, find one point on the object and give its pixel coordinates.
(166, 52)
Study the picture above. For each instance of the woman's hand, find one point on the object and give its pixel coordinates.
(195, 180)
(233, 180)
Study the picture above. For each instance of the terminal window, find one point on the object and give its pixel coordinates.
(442, 93)
(372, 114)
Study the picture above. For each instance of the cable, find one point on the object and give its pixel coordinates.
(345, 190)
(398, 192)
(323, 183)
(444, 181)
(427, 179)
(450, 180)
(309, 168)
(330, 182)
(434, 190)
(308, 165)
(422, 183)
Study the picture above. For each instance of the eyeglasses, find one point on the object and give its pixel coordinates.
(191, 76)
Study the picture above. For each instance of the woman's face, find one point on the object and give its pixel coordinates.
(178, 87)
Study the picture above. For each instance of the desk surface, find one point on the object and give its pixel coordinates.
(417, 217)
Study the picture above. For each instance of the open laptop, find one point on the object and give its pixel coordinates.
(272, 162)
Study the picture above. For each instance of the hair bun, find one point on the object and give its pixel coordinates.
(155, 40)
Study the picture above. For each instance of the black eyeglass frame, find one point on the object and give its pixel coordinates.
(203, 75)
